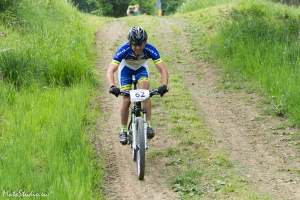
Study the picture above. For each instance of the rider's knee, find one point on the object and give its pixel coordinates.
(126, 101)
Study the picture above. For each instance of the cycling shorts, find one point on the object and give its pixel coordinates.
(125, 75)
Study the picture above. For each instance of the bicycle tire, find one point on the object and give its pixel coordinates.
(140, 160)
(133, 149)
(130, 141)
(134, 154)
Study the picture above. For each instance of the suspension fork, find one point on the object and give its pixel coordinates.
(145, 129)
(133, 129)
(139, 112)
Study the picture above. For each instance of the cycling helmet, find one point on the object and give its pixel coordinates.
(137, 35)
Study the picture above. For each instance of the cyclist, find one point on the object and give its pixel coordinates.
(131, 59)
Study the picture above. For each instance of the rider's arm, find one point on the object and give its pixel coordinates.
(112, 68)
(162, 68)
(160, 65)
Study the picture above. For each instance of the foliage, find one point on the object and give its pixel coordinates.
(115, 8)
(89, 6)
(171, 6)
(6, 4)
(118, 8)
(289, 2)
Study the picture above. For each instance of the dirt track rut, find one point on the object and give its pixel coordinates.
(120, 179)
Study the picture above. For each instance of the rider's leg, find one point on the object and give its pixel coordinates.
(125, 81)
(124, 110)
(142, 75)
(144, 84)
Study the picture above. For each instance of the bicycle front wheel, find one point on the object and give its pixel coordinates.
(140, 160)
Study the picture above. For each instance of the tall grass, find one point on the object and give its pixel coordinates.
(43, 143)
(192, 5)
(46, 82)
(53, 47)
(261, 44)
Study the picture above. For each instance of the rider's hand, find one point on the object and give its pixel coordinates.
(162, 90)
(114, 90)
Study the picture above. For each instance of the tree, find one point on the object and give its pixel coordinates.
(289, 2)
(115, 8)
(170, 6)
(89, 6)
(6, 4)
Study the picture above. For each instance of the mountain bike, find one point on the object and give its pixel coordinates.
(137, 127)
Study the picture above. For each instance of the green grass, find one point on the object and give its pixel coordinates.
(257, 45)
(196, 168)
(48, 41)
(47, 84)
(203, 26)
(44, 146)
(192, 5)
(260, 44)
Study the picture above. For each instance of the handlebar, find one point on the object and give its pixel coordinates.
(151, 92)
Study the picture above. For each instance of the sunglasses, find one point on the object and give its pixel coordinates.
(135, 44)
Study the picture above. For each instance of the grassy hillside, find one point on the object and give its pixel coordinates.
(192, 5)
(264, 49)
(45, 42)
(47, 81)
(257, 42)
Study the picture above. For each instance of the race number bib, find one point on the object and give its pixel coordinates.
(139, 95)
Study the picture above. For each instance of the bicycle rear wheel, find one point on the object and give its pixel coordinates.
(140, 159)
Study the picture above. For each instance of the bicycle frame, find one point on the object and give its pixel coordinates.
(137, 111)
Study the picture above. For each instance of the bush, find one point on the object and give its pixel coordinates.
(89, 6)
(6, 4)
(289, 2)
(171, 6)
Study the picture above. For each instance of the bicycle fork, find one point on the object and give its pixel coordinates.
(145, 130)
(134, 131)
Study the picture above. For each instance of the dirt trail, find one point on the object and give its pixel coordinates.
(258, 148)
(120, 179)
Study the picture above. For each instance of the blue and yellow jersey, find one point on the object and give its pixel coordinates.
(125, 54)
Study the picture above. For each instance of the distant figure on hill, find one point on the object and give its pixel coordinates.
(133, 10)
